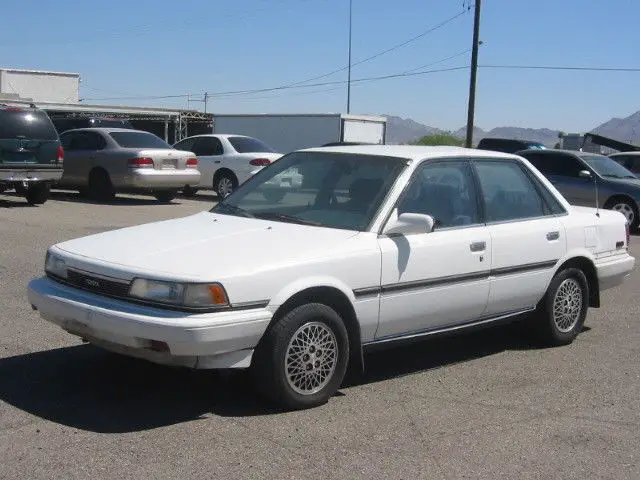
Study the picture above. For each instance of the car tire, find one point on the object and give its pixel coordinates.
(20, 189)
(225, 183)
(562, 311)
(38, 193)
(188, 191)
(297, 372)
(3, 188)
(100, 186)
(628, 208)
(166, 196)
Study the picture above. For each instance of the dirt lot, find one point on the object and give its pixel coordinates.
(484, 405)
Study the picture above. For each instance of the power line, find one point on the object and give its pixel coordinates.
(549, 67)
(455, 55)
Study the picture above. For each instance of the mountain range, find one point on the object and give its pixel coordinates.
(405, 130)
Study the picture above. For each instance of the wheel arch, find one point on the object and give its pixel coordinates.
(332, 294)
(221, 171)
(584, 262)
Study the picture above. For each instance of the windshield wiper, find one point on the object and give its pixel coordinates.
(286, 218)
(234, 210)
(611, 175)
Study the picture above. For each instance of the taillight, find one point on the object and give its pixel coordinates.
(627, 232)
(140, 162)
(192, 163)
(260, 162)
(60, 154)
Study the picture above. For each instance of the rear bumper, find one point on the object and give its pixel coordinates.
(613, 270)
(155, 179)
(19, 175)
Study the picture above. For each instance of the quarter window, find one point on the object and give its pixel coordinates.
(444, 190)
(508, 192)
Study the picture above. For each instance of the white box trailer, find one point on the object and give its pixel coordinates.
(287, 132)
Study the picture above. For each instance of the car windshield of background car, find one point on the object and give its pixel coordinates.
(335, 190)
(139, 140)
(607, 167)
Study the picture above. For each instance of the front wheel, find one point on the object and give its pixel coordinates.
(224, 184)
(302, 359)
(563, 309)
(38, 193)
(627, 208)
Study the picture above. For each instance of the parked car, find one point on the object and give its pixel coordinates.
(575, 174)
(31, 156)
(508, 145)
(72, 123)
(629, 160)
(103, 161)
(395, 243)
(226, 161)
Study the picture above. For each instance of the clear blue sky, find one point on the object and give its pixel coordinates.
(146, 48)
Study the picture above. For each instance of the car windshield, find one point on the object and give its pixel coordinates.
(26, 124)
(138, 140)
(329, 189)
(249, 145)
(607, 167)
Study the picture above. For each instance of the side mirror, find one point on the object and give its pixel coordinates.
(410, 223)
(586, 174)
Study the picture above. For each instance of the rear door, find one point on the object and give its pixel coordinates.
(562, 170)
(527, 235)
(81, 155)
(27, 139)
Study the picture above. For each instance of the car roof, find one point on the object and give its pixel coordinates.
(634, 153)
(550, 151)
(106, 130)
(500, 139)
(411, 152)
(219, 135)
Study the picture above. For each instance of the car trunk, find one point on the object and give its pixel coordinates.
(27, 138)
(166, 159)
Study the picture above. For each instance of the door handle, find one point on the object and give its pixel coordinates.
(553, 236)
(478, 246)
(217, 161)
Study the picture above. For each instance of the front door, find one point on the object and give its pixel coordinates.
(440, 278)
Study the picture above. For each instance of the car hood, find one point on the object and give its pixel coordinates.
(200, 247)
(631, 182)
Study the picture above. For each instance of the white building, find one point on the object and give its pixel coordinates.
(39, 86)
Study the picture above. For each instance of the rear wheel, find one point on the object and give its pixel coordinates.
(38, 193)
(563, 309)
(225, 183)
(100, 186)
(20, 189)
(303, 357)
(166, 196)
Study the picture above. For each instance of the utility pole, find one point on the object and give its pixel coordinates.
(474, 70)
(349, 74)
(206, 97)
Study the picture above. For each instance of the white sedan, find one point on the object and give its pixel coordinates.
(226, 161)
(383, 244)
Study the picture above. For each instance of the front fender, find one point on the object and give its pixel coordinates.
(309, 282)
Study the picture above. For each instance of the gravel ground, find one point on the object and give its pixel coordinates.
(484, 405)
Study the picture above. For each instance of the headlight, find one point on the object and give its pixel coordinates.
(193, 295)
(55, 265)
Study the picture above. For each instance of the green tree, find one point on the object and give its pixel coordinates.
(440, 139)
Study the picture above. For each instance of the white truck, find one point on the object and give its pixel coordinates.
(288, 132)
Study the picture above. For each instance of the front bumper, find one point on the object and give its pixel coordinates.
(210, 340)
(613, 270)
(162, 179)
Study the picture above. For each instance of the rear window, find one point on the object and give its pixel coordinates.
(138, 140)
(27, 124)
(248, 145)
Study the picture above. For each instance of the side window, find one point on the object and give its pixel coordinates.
(543, 163)
(207, 146)
(444, 190)
(509, 194)
(186, 144)
(95, 141)
(67, 140)
(566, 165)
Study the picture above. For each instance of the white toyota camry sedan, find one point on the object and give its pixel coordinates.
(381, 244)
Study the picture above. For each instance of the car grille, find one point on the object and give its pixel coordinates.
(97, 285)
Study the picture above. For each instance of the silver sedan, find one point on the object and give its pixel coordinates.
(102, 161)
